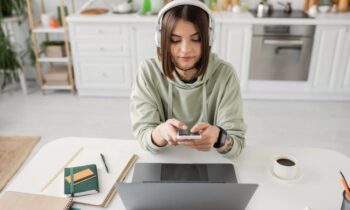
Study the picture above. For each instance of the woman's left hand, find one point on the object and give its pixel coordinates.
(209, 133)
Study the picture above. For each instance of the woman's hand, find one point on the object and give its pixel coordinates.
(165, 133)
(209, 133)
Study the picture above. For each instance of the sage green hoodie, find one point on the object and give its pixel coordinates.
(214, 98)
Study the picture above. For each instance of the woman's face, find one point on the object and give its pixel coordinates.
(185, 45)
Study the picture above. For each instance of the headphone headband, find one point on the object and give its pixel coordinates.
(176, 3)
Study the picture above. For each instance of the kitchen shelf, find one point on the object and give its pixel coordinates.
(56, 87)
(41, 59)
(43, 29)
(44, 59)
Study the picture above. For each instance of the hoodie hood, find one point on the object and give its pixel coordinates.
(180, 86)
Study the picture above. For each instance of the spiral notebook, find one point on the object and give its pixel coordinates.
(27, 201)
(119, 164)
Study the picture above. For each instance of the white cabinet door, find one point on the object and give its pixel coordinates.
(105, 74)
(235, 48)
(343, 81)
(216, 48)
(143, 43)
(326, 58)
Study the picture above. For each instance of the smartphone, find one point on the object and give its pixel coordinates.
(187, 134)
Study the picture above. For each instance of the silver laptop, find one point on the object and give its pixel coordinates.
(158, 186)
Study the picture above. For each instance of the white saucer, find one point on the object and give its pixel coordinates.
(297, 177)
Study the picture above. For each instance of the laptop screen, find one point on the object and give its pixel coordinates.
(184, 173)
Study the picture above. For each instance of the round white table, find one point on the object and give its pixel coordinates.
(317, 187)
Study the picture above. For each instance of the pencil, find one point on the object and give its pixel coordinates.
(345, 185)
(62, 168)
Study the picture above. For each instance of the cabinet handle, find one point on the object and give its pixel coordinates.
(283, 42)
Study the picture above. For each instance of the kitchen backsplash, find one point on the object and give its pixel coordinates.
(51, 5)
(296, 4)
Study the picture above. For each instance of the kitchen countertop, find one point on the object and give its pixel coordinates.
(223, 17)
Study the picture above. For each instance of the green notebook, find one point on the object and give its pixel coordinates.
(84, 182)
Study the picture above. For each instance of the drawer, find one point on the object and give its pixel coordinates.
(102, 49)
(101, 31)
(113, 74)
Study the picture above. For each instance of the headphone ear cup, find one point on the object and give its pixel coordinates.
(157, 38)
(211, 37)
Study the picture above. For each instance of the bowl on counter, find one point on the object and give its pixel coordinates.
(324, 8)
(123, 8)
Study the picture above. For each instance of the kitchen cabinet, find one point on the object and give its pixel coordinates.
(143, 44)
(344, 63)
(107, 52)
(330, 67)
(107, 56)
(216, 48)
(235, 45)
(102, 58)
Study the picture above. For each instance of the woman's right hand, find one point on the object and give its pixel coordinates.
(165, 133)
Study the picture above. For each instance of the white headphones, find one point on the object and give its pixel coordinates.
(176, 3)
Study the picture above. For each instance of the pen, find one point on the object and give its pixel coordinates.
(345, 185)
(104, 162)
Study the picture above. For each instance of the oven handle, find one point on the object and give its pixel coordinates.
(283, 42)
(291, 47)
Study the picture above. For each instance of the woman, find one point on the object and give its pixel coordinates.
(187, 87)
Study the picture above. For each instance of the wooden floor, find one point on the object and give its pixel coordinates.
(320, 124)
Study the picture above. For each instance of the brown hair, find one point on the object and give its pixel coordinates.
(200, 20)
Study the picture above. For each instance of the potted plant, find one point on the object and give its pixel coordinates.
(8, 7)
(54, 49)
(9, 65)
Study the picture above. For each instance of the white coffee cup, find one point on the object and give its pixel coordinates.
(285, 166)
(312, 11)
(236, 9)
(46, 18)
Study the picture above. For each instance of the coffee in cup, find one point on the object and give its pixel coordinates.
(286, 162)
(285, 167)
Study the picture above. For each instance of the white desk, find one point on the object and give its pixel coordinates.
(318, 186)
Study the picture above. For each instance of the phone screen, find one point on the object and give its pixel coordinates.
(187, 134)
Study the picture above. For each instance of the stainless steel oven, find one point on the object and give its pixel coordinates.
(281, 52)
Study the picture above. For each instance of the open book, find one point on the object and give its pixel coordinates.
(118, 163)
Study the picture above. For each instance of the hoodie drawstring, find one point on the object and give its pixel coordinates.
(204, 103)
(170, 101)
